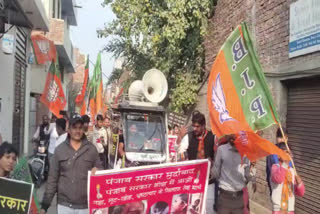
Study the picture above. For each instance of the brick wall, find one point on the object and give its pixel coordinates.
(268, 21)
(79, 67)
(56, 32)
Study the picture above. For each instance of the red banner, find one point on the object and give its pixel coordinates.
(175, 188)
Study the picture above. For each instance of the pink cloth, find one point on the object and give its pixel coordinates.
(246, 200)
(299, 189)
(278, 174)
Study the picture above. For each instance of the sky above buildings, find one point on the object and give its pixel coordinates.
(90, 17)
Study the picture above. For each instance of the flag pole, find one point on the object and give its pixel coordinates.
(286, 142)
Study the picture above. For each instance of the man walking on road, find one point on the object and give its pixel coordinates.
(42, 133)
(199, 144)
(108, 141)
(61, 125)
(68, 174)
(233, 174)
(99, 139)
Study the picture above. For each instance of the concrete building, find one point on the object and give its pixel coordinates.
(62, 15)
(21, 80)
(20, 17)
(285, 34)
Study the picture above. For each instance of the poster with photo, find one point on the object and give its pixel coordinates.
(172, 140)
(156, 189)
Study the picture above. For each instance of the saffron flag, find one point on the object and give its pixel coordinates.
(238, 97)
(96, 88)
(83, 109)
(44, 49)
(80, 97)
(53, 96)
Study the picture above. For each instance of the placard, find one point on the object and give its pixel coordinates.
(15, 196)
(167, 188)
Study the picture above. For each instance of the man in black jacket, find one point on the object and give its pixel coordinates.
(69, 171)
(199, 144)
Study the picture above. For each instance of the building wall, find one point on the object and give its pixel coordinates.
(38, 75)
(6, 92)
(268, 21)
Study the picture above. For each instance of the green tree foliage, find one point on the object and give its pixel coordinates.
(165, 34)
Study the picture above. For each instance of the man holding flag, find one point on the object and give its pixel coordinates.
(240, 104)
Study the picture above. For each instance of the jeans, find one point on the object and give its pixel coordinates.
(210, 199)
(229, 203)
(67, 210)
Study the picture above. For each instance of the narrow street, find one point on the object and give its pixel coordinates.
(158, 107)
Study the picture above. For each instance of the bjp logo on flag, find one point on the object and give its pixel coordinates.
(53, 92)
(219, 101)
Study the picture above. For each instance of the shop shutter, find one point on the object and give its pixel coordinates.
(303, 123)
(19, 90)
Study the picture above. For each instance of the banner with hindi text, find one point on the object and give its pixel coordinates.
(15, 196)
(171, 187)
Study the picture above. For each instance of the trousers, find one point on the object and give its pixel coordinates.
(229, 203)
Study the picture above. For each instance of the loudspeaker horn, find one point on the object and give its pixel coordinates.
(136, 91)
(155, 85)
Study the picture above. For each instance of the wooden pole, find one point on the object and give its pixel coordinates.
(286, 142)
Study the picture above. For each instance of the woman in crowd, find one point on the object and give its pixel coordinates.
(285, 184)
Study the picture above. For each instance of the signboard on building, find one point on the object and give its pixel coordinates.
(8, 43)
(304, 27)
(150, 189)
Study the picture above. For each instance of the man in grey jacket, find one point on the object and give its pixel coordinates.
(69, 171)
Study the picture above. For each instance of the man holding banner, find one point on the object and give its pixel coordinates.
(199, 144)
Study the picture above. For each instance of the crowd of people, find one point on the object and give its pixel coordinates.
(74, 148)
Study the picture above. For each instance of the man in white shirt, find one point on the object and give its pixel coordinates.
(108, 140)
(52, 141)
(233, 173)
(99, 139)
(61, 125)
(42, 133)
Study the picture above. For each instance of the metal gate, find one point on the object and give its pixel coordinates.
(19, 90)
(303, 123)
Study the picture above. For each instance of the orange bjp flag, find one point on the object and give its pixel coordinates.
(238, 97)
(53, 96)
(44, 49)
